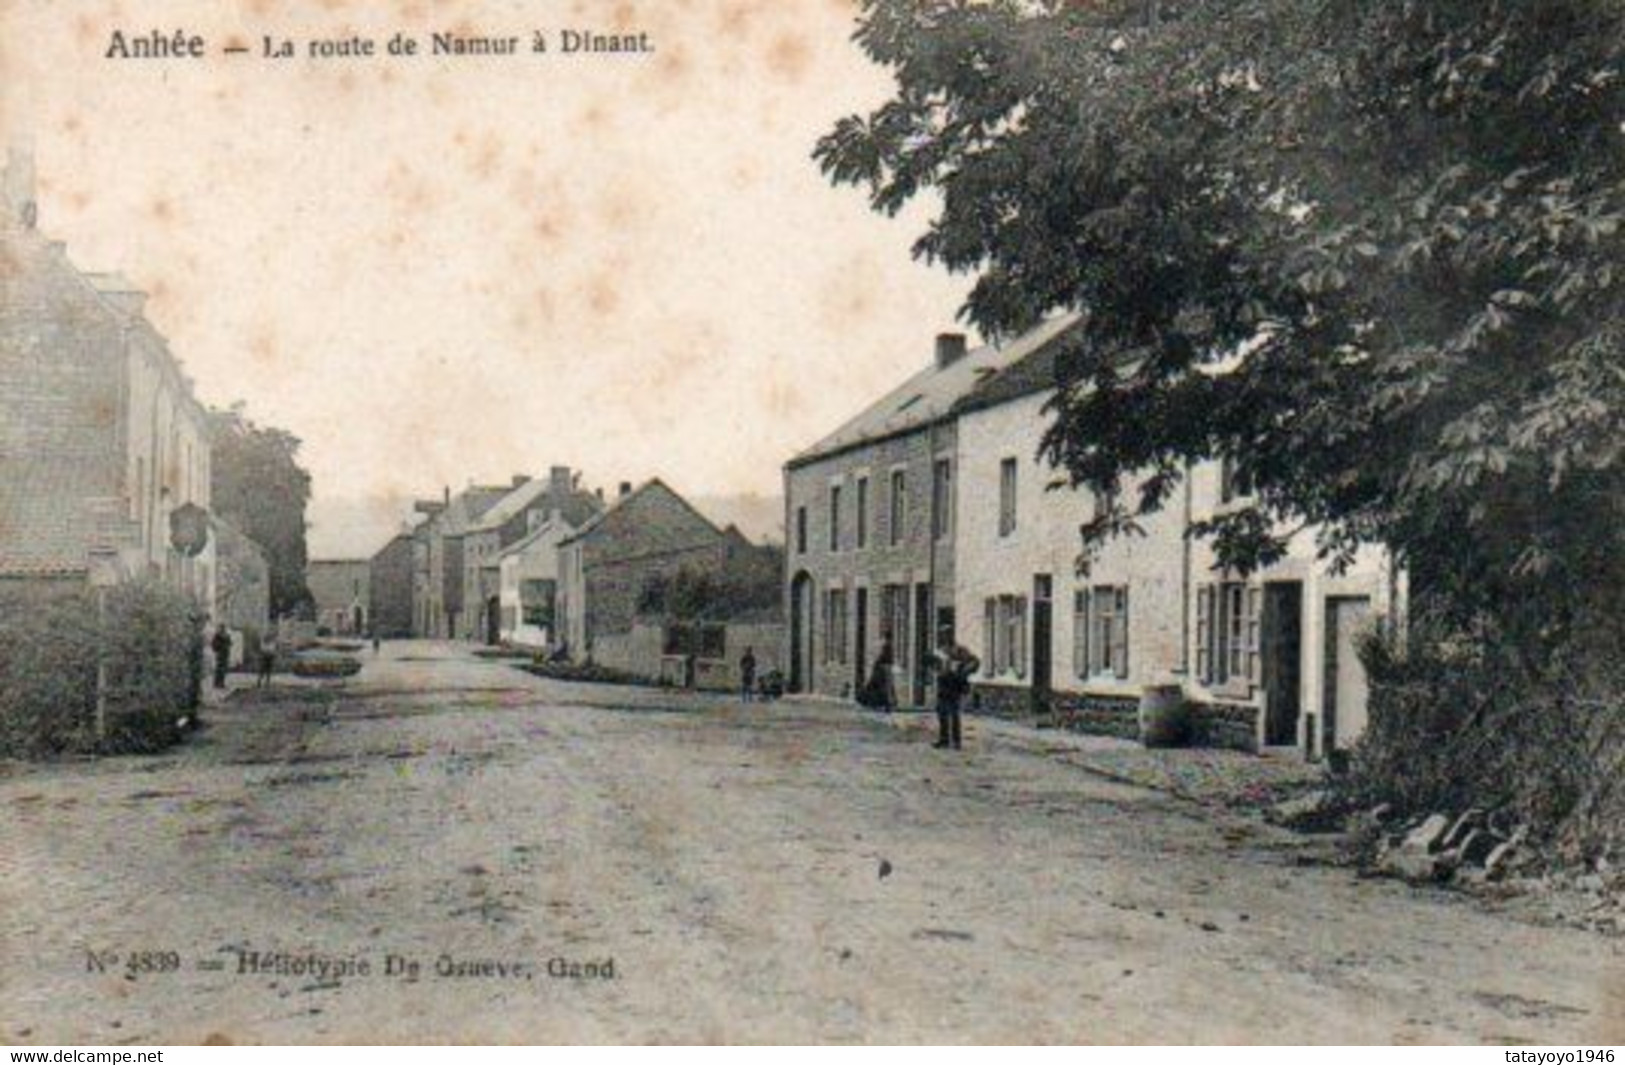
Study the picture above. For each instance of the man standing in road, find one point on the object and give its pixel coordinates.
(221, 646)
(955, 665)
(747, 674)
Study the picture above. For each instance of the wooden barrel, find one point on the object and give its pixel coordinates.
(1165, 719)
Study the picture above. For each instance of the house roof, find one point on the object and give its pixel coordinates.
(1029, 375)
(575, 502)
(546, 527)
(468, 506)
(651, 485)
(931, 394)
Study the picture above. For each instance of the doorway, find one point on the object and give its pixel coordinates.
(1043, 649)
(1282, 661)
(922, 643)
(860, 652)
(1347, 689)
(801, 628)
(493, 620)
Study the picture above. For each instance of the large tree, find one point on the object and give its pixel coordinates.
(1367, 250)
(259, 486)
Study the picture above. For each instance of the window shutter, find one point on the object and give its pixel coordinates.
(1204, 633)
(1080, 633)
(1020, 656)
(1255, 598)
(990, 645)
(1121, 621)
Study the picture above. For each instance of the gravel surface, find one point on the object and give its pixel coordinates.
(693, 869)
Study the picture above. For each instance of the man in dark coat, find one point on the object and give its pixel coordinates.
(747, 674)
(955, 666)
(221, 646)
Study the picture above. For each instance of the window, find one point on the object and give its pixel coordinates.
(899, 506)
(1005, 635)
(1228, 624)
(801, 530)
(1100, 632)
(835, 625)
(1007, 497)
(894, 619)
(834, 517)
(863, 513)
(1233, 484)
(942, 499)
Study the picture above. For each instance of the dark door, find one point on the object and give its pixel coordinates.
(493, 620)
(1282, 661)
(860, 650)
(801, 628)
(1043, 643)
(922, 641)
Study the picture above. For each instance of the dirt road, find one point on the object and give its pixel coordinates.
(796, 872)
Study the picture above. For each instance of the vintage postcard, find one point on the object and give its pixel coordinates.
(901, 521)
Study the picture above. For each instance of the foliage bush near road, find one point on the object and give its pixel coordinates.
(149, 638)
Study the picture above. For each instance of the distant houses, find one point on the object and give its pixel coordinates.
(342, 589)
(390, 583)
(930, 516)
(643, 584)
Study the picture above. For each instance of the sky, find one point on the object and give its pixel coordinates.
(438, 271)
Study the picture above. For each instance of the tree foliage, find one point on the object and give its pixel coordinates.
(1367, 250)
(259, 486)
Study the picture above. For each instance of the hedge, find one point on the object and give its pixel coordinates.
(150, 639)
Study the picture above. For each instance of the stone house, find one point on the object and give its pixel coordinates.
(515, 516)
(1265, 661)
(104, 449)
(606, 567)
(870, 517)
(438, 556)
(342, 589)
(528, 581)
(390, 586)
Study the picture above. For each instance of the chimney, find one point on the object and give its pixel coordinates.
(19, 185)
(559, 482)
(950, 349)
(626, 489)
(445, 495)
(521, 479)
(600, 493)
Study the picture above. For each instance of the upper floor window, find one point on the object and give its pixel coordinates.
(899, 506)
(834, 517)
(801, 530)
(1007, 497)
(863, 513)
(1233, 484)
(942, 499)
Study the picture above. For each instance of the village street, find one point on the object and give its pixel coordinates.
(797, 871)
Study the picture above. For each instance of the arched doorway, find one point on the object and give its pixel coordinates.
(801, 630)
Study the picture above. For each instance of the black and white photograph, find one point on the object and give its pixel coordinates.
(879, 522)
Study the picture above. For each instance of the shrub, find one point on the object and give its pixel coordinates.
(325, 666)
(149, 639)
(1456, 723)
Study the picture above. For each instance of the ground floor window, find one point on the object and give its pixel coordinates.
(1100, 642)
(1004, 635)
(894, 619)
(835, 625)
(1228, 620)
